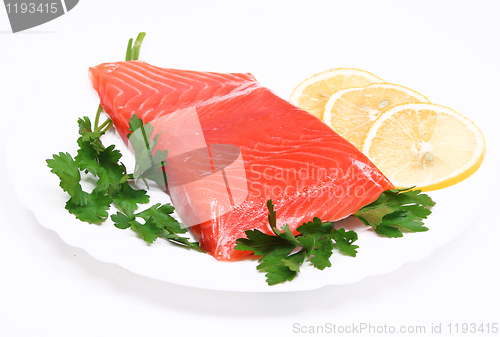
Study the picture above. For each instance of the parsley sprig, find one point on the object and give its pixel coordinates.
(397, 210)
(112, 186)
(113, 183)
(283, 253)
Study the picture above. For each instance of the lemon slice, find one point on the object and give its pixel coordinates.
(351, 112)
(425, 145)
(312, 94)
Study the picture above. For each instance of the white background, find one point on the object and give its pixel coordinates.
(447, 50)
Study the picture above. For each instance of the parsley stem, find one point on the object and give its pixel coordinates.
(128, 56)
(137, 46)
(107, 124)
(98, 114)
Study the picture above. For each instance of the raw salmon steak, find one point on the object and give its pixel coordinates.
(233, 145)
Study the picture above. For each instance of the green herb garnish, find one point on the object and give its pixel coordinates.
(147, 165)
(112, 180)
(112, 187)
(133, 51)
(395, 211)
(283, 253)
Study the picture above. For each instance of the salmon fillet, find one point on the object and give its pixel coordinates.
(232, 145)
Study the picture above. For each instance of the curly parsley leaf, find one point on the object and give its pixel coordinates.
(148, 165)
(325, 234)
(93, 157)
(161, 215)
(112, 173)
(128, 198)
(148, 231)
(397, 210)
(283, 254)
(344, 241)
(85, 130)
(87, 156)
(121, 220)
(67, 170)
(261, 243)
(322, 253)
(94, 210)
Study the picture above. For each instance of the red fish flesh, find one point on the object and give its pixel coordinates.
(232, 145)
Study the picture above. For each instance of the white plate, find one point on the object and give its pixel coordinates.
(50, 126)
